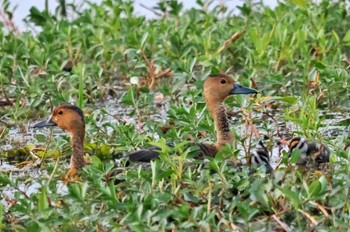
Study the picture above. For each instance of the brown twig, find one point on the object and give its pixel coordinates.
(150, 9)
(322, 209)
(7, 100)
(234, 37)
(279, 213)
(347, 146)
(249, 122)
(311, 218)
(275, 121)
(152, 75)
(282, 224)
(8, 22)
(5, 123)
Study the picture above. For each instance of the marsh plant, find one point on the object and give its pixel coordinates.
(139, 82)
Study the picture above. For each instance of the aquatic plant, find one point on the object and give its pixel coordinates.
(139, 82)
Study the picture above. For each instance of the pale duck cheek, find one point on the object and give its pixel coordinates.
(318, 146)
(302, 146)
(303, 149)
(255, 160)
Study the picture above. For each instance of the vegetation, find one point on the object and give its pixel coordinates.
(139, 82)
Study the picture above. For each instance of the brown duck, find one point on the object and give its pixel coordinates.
(216, 89)
(71, 119)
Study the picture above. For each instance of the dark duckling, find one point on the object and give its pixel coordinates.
(309, 150)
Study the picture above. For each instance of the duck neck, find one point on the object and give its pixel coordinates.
(222, 125)
(77, 159)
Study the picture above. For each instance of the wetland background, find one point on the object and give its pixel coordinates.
(139, 82)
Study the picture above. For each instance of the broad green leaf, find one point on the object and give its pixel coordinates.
(323, 182)
(41, 138)
(318, 65)
(295, 156)
(291, 195)
(315, 188)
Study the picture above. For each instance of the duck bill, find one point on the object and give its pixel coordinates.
(45, 123)
(238, 89)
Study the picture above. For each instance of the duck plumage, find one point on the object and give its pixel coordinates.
(71, 119)
(216, 89)
(309, 150)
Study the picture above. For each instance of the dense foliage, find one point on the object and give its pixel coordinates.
(127, 72)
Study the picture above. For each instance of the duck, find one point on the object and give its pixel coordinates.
(309, 150)
(71, 119)
(216, 89)
(260, 157)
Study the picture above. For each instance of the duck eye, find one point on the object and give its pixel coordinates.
(60, 112)
(223, 81)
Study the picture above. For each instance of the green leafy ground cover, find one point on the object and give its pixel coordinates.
(118, 67)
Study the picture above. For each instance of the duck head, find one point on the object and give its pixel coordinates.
(67, 117)
(218, 87)
(298, 143)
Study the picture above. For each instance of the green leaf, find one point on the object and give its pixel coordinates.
(300, 3)
(323, 182)
(295, 156)
(129, 97)
(164, 174)
(293, 196)
(191, 64)
(318, 65)
(41, 138)
(95, 161)
(245, 9)
(246, 210)
(4, 180)
(144, 38)
(315, 188)
(2, 225)
(336, 37)
(287, 99)
(77, 191)
(43, 203)
(190, 198)
(347, 36)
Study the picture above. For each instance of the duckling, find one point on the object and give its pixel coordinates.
(260, 157)
(216, 89)
(71, 119)
(314, 150)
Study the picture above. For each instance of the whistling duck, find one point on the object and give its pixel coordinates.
(71, 119)
(314, 150)
(260, 157)
(216, 89)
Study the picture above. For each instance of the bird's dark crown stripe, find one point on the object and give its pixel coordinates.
(74, 108)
